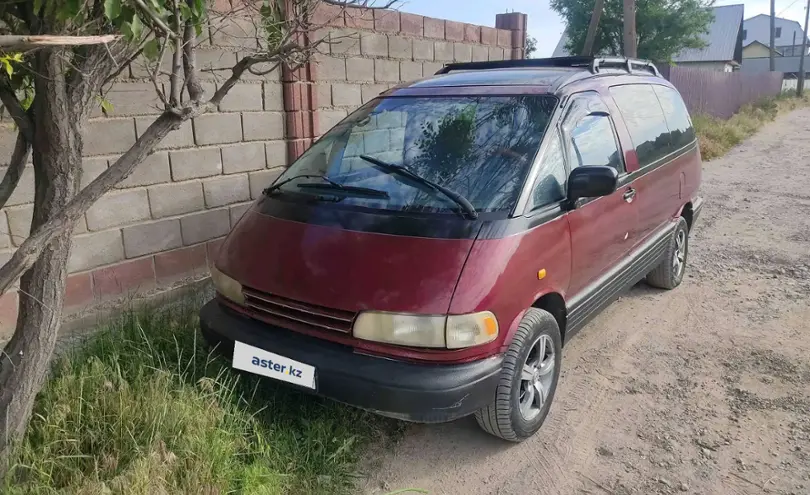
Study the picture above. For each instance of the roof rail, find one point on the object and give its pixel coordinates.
(593, 64)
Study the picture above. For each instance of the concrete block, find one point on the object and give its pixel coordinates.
(276, 152)
(480, 53)
(443, 51)
(78, 291)
(218, 128)
(359, 69)
(152, 237)
(130, 276)
(323, 94)
(422, 50)
(181, 138)
(328, 119)
(175, 199)
(9, 305)
(24, 193)
(118, 208)
(262, 125)
(397, 139)
(462, 52)
(19, 223)
(109, 136)
(360, 18)
(489, 36)
(346, 95)
(96, 249)
(371, 91)
(472, 33)
(411, 24)
(399, 47)
(204, 226)
(408, 71)
(386, 20)
(495, 53)
(130, 98)
(330, 68)
(243, 158)
(227, 190)
(273, 97)
(178, 264)
(243, 97)
(344, 42)
(92, 168)
(261, 180)
(201, 162)
(453, 31)
(430, 68)
(8, 139)
(374, 45)
(236, 212)
(434, 28)
(231, 31)
(211, 63)
(153, 170)
(386, 70)
(274, 74)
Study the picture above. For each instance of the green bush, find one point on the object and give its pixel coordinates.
(143, 408)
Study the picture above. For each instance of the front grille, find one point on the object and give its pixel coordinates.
(287, 313)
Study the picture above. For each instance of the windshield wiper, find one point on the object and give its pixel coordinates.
(354, 190)
(274, 187)
(468, 209)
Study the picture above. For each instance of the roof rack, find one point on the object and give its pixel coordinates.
(593, 64)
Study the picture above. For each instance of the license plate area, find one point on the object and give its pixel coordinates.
(260, 362)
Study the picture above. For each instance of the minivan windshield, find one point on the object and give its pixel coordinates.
(478, 147)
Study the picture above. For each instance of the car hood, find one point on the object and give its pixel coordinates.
(343, 269)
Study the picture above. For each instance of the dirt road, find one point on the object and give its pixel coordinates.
(704, 389)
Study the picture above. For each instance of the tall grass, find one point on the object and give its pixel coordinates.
(717, 136)
(143, 408)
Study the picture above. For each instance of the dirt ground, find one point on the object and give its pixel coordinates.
(704, 389)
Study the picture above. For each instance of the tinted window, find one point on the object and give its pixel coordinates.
(645, 121)
(478, 146)
(680, 126)
(593, 143)
(550, 186)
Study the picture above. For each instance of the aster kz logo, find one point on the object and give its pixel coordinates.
(278, 368)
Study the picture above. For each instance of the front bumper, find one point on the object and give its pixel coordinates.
(423, 393)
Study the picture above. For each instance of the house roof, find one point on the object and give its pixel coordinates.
(721, 40)
(791, 21)
(763, 45)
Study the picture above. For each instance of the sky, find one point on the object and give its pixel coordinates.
(546, 26)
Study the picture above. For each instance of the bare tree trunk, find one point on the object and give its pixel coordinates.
(592, 27)
(57, 166)
(630, 29)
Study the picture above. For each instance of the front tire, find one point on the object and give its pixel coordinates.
(531, 369)
(669, 273)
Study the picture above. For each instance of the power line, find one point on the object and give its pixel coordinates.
(786, 8)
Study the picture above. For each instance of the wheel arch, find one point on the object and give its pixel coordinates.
(554, 303)
(687, 212)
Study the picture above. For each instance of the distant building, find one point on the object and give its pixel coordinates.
(755, 49)
(723, 43)
(787, 37)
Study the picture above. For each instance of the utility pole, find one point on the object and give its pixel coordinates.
(630, 28)
(592, 27)
(793, 45)
(773, 35)
(800, 82)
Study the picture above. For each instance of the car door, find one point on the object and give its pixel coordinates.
(602, 229)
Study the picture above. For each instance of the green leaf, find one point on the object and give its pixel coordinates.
(185, 11)
(136, 27)
(151, 49)
(38, 6)
(7, 65)
(106, 106)
(199, 8)
(112, 9)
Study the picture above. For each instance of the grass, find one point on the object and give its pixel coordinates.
(142, 408)
(717, 136)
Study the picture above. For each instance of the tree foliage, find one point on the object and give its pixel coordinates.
(663, 27)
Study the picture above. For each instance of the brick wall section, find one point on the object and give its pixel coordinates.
(165, 223)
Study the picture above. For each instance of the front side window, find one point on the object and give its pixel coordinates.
(480, 147)
(645, 121)
(594, 143)
(551, 178)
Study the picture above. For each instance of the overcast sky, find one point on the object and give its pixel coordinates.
(546, 25)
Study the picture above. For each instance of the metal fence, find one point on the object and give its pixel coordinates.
(721, 94)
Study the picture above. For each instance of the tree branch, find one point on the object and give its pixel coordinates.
(15, 169)
(195, 90)
(14, 42)
(157, 20)
(15, 109)
(245, 64)
(177, 63)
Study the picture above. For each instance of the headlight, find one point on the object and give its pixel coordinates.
(227, 286)
(453, 332)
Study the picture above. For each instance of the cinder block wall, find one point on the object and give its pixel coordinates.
(163, 225)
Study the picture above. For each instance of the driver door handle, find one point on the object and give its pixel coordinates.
(629, 195)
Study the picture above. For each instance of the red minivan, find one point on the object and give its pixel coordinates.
(427, 258)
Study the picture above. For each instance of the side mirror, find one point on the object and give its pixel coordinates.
(591, 182)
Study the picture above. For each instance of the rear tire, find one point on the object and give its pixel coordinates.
(669, 273)
(531, 369)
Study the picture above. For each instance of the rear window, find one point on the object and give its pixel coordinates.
(645, 121)
(680, 126)
(480, 147)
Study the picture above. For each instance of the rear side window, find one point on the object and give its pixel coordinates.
(645, 121)
(681, 132)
